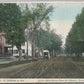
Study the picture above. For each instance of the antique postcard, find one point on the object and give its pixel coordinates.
(42, 41)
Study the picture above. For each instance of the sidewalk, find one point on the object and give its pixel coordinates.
(4, 60)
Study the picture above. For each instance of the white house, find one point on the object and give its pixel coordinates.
(24, 49)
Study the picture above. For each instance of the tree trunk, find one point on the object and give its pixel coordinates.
(42, 51)
(12, 49)
(34, 47)
(53, 53)
(20, 52)
(27, 46)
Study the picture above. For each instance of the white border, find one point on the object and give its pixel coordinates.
(43, 80)
(54, 2)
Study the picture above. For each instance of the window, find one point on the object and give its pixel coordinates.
(23, 51)
(15, 51)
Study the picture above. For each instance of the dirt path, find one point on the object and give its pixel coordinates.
(59, 67)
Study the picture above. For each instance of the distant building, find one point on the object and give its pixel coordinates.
(6, 48)
(3, 45)
(24, 49)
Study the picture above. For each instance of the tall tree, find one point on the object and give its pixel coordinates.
(48, 40)
(37, 14)
(11, 22)
(75, 38)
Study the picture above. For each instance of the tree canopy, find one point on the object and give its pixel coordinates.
(47, 40)
(75, 38)
(12, 23)
(35, 15)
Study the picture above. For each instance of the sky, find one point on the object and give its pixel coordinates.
(63, 16)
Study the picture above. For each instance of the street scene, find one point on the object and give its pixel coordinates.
(42, 40)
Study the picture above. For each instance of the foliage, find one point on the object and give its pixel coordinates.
(75, 38)
(11, 22)
(47, 40)
(35, 15)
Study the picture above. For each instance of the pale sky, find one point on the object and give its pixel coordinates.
(63, 17)
(61, 28)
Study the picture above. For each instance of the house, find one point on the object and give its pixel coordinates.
(24, 49)
(6, 48)
(3, 45)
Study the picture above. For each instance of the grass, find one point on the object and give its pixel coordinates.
(78, 59)
(15, 63)
(58, 67)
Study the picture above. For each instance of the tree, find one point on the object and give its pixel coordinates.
(75, 38)
(48, 40)
(36, 15)
(12, 23)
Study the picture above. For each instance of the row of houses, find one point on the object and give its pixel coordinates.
(6, 48)
(24, 49)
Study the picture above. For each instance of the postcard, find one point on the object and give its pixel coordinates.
(42, 41)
